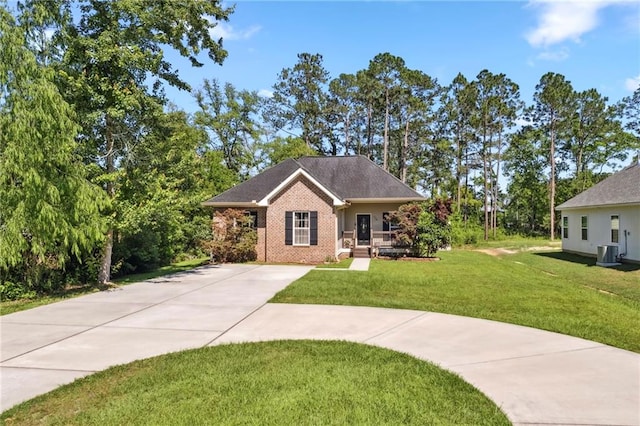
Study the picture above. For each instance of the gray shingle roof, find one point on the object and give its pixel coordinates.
(622, 187)
(349, 178)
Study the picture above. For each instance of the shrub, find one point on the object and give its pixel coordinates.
(233, 238)
(12, 291)
(423, 227)
(433, 229)
(465, 233)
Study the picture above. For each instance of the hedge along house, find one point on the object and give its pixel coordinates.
(606, 215)
(314, 208)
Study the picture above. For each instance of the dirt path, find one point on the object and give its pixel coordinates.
(503, 251)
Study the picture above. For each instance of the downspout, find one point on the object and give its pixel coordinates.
(621, 255)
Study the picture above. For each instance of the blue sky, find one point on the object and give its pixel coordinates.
(593, 43)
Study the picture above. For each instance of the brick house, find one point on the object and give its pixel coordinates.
(314, 208)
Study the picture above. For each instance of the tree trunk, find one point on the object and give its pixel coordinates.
(486, 182)
(458, 171)
(496, 192)
(466, 185)
(369, 132)
(347, 142)
(552, 183)
(405, 148)
(385, 148)
(104, 275)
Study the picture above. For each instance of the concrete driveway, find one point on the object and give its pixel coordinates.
(536, 377)
(51, 345)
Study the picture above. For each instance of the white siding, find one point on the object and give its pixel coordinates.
(599, 220)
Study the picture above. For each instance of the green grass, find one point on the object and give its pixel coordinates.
(11, 306)
(550, 291)
(283, 382)
(345, 263)
(165, 270)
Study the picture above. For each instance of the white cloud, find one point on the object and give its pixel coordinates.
(554, 55)
(632, 83)
(227, 32)
(559, 21)
(265, 93)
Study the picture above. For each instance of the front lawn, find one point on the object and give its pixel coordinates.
(283, 382)
(550, 291)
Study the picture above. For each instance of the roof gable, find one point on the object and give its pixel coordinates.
(342, 178)
(622, 187)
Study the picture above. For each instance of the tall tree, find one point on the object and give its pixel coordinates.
(630, 110)
(111, 50)
(345, 112)
(299, 101)
(458, 103)
(385, 70)
(497, 106)
(48, 209)
(418, 96)
(230, 117)
(554, 103)
(595, 138)
(525, 163)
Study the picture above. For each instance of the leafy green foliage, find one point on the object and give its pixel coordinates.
(280, 149)
(300, 98)
(230, 118)
(423, 227)
(234, 239)
(48, 210)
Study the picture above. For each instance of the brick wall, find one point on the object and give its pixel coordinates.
(262, 234)
(300, 195)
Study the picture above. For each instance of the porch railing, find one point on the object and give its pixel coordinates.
(378, 239)
(384, 239)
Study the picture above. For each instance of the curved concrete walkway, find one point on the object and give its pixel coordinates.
(536, 377)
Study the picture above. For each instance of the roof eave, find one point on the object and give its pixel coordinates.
(561, 207)
(230, 204)
(385, 200)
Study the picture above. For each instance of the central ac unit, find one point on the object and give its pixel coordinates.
(607, 254)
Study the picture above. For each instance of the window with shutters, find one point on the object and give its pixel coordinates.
(301, 229)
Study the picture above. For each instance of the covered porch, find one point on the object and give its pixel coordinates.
(364, 231)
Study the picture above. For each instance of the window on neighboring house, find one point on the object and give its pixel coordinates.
(615, 228)
(301, 228)
(585, 227)
(565, 227)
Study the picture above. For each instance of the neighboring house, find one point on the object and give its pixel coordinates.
(607, 214)
(315, 208)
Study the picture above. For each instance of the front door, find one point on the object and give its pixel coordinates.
(363, 222)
